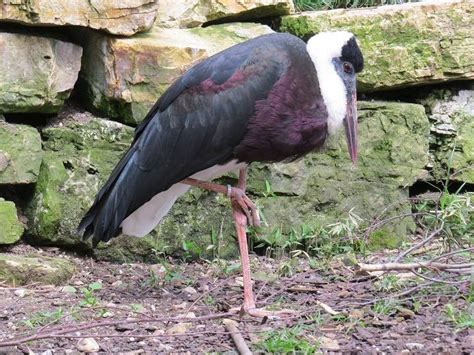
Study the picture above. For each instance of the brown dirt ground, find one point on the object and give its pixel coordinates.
(374, 316)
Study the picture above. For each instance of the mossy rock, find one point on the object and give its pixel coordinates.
(11, 228)
(194, 13)
(79, 156)
(123, 77)
(451, 114)
(403, 45)
(20, 153)
(125, 17)
(18, 270)
(38, 73)
(317, 190)
(384, 239)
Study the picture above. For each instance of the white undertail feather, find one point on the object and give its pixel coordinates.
(322, 48)
(147, 217)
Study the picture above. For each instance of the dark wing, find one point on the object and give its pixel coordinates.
(195, 124)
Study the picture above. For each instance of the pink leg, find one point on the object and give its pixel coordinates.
(235, 193)
(243, 211)
(240, 221)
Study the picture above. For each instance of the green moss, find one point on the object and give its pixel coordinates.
(315, 191)
(402, 47)
(126, 79)
(384, 239)
(11, 229)
(78, 159)
(22, 270)
(20, 151)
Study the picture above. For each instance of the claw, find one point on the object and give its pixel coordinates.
(245, 204)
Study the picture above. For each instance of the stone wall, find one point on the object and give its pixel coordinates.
(53, 76)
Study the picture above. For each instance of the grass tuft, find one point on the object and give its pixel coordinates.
(311, 5)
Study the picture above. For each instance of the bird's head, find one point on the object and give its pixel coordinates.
(337, 58)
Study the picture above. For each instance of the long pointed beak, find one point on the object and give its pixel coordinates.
(350, 123)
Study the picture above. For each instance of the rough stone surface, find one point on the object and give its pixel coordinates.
(315, 191)
(20, 153)
(193, 13)
(123, 77)
(37, 73)
(403, 45)
(125, 17)
(18, 270)
(10, 227)
(451, 112)
(324, 187)
(80, 153)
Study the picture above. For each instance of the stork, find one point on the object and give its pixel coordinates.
(272, 98)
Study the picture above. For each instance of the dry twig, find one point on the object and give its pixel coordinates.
(237, 337)
(412, 266)
(327, 308)
(420, 244)
(60, 331)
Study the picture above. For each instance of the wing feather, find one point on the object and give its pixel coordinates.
(191, 128)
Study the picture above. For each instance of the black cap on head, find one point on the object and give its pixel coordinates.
(351, 53)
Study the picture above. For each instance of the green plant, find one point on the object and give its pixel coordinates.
(387, 283)
(43, 317)
(88, 295)
(221, 267)
(337, 238)
(152, 280)
(451, 214)
(173, 273)
(462, 319)
(191, 250)
(309, 5)
(316, 319)
(137, 307)
(385, 307)
(268, 190)
(321, 242)
(213, 247)
(287, 267)
(287, 341)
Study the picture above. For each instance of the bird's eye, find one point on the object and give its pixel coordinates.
(347, 67)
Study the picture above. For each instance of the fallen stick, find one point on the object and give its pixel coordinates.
(54, 332)
(327, 308)
(420, 244)
(412, 266)
(237, 337)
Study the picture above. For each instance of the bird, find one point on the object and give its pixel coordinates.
(273, 98)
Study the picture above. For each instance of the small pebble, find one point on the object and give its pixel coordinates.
(329, 344)
(87, 345)
(190, 290)
(414, 346)
(181, 305)
(179, 328)
(164, 348)
(58, 303)
(21, 292)
(123, 327)
(117, 283)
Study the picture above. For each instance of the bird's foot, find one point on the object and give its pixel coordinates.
(241, 201)
(263, 313)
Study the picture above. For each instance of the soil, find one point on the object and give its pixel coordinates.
(135, 309)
